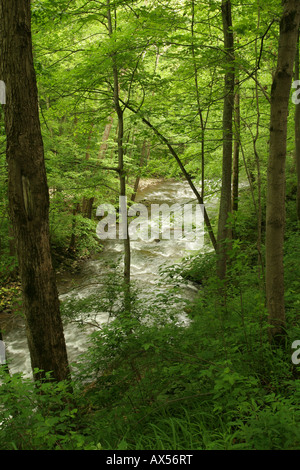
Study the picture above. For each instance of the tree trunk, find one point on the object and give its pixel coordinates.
(236, 150)
(87, 203)
(200, 111)
(72, 244)
(120, 137)
(28, 193)
(105, 138)
(297, 133)
(257, 159)
(144, 157)
(225, 199)
(87, 207)
(275, 217)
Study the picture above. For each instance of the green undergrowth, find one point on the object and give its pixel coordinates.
(149, 381)
(172, 374)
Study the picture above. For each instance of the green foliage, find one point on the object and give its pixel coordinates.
(197, 269)
(9, 297)
(148, 379)
(292, 282)
(39, 416)
(214, 383)
(275, 427)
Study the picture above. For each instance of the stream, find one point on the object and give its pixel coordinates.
(147, 258)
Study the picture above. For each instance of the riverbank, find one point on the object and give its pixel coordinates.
(216, 384)
(82, 279)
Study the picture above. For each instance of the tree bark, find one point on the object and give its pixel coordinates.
(236, 150)
(145, 151)
(105, 138)
(120, 137)
(257, 158)
(275, 216)
(87, 202)
(297, 133)
(225, 199)
(28, 193)
(200, 111)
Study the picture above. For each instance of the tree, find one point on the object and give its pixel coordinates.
(236, 151)
(225, 200)
(28, 193)
(121, 170)
(297, 132)
(275, 205)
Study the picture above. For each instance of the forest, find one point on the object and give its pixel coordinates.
(149, 225)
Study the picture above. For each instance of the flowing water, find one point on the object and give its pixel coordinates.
(147, 258)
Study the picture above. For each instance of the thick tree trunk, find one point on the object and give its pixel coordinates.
(28, 192)
(225, 199)
(275, 217)
(297, 132)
